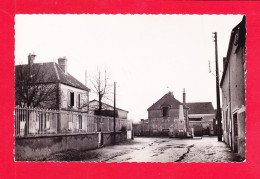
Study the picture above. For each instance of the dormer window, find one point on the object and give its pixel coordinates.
(165, 111)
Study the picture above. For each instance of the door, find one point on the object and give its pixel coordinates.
(235, 133)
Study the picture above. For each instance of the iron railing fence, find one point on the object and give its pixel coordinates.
(36, 122)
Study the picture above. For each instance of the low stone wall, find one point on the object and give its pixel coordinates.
(108, 137)
(38, 148)
(120, 137)
(107, 140)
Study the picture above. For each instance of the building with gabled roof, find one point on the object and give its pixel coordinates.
(202, 118)
(164, 113)
(50, 86)
(69, 94)
(167, 100)
(54, 73)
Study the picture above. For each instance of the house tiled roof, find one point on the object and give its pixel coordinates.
(53, 73)
(167, 100)
(201, 108)
(69, 79)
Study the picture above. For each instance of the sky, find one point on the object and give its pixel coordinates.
(146, 55)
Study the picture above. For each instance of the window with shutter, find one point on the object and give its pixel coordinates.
(80, 121)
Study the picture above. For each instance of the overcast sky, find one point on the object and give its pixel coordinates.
(147, 55)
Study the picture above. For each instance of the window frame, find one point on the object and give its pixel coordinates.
(78, 100)
(80, 122)
(165, 111)
(71, 99)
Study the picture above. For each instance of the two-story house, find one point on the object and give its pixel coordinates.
(50, 86)
(233, 90)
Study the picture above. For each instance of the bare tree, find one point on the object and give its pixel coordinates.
(33, 88)
(101, 87)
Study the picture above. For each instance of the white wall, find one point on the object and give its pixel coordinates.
(84, 98)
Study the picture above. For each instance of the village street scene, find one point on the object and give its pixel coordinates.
(130, 88)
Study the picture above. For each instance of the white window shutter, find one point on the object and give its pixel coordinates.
(70, 122)
(79, 100)
(76, 96)
(68, 98)
(82, 119)
(77, 124)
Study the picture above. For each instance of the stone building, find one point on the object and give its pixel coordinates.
(233, 91)
(54, 88)
(163, 115)
(202, 118)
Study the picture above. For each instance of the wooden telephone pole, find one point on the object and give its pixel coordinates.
(217, 89)
(114, 113)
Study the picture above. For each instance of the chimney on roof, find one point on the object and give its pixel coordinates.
(62, 61)
(184, 96)
(171, 93)
(31, 58)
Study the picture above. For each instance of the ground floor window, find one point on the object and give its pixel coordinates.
(80, 121)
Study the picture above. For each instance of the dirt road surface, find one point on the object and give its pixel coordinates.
(141, 149)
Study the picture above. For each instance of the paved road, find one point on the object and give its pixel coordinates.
(206, 149)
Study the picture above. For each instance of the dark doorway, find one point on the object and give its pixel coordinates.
(235, 132)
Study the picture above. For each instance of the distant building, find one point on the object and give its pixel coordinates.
(142, 128)
(164, 114)
(163, 117)
(233, 90)
(107, 109)
(202, 118)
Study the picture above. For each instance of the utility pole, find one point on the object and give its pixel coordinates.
(114, 113)
(217, 89)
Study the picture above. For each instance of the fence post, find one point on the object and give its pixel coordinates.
(27, 121)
